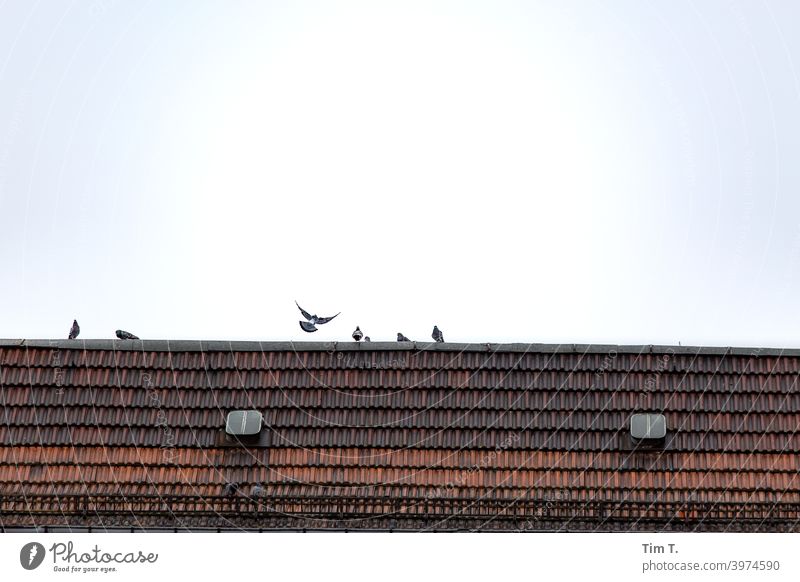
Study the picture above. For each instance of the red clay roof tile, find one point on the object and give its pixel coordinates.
(445, 437)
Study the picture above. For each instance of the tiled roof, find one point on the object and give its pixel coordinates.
(397, 436)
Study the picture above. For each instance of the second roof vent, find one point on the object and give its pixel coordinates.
(648, 427)
(244, 423)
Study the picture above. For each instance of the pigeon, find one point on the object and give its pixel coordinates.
(358, 334)
(231, 489)
(257, 491)
(74, 330)
(402, 338)
(124, 335)
(366, 339)
(313, 321)
(437, 334)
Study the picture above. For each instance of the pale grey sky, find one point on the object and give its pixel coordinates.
(615, 172)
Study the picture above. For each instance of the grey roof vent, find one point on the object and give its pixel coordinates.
(648, 427)
(244, 423)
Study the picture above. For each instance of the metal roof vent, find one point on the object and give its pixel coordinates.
(648, 427)
(244, 423)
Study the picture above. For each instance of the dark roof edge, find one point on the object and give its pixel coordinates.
(350, 346)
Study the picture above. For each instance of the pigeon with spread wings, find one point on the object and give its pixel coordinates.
(310, 326)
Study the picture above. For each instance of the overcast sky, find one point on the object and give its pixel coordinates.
(615, 172)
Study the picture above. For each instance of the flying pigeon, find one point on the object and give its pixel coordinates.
(124, 335)
(437, 334)
(366, 339)
(74, 330)
(402, 338)
(313, 321)
(358, 334)
(231, 489)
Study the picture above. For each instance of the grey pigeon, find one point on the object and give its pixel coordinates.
(257, 491)
(231, 489)
(124, 335)
(366, 339)
(313, 321)
(74, 330)
(402, 338)
(358, 334)
(437, 334)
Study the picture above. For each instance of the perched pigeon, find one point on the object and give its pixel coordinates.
(358, 334)
(124, 335)
(402, 338)
(257, 491)
(74, 330)
(313, 320)
(366, 339)
(437, 334)
(231, 489)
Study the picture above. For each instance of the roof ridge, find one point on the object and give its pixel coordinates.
(339, 346)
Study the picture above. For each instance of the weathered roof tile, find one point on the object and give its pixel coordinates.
(535, 432)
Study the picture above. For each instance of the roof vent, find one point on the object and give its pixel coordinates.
(244, 423)
(648, 427)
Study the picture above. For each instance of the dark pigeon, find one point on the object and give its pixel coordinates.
(231, 489)
(74, 330)
(313, 321)
(124, 335)
(437, 334)
(402, 338)
(358, 334)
